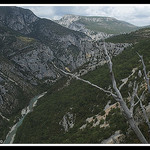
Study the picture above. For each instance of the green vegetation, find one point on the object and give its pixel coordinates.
(26, 40)
(133, 37)
(4, 128)
(83, 101)
(107, 25)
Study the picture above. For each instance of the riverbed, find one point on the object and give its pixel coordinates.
(11, 134)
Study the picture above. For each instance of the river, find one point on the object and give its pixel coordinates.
(11, 134)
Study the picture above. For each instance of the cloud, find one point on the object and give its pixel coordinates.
(136, 14)
(42, 11)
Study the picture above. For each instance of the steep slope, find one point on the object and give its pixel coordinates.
(96, 27)
(15, 87)
(79, 113)
(17, 18)
(15, 93)
(133, 37)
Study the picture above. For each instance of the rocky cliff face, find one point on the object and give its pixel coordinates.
(73, 22)
(14, 90)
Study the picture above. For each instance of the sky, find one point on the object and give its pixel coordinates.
(137, 14)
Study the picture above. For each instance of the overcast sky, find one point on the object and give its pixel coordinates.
(138, 14)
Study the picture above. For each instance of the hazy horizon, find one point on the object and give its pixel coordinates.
(138, 15)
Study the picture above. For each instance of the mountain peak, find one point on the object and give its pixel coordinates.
(70, 17)
(16, 18)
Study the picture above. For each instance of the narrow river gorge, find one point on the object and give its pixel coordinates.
(11, 134)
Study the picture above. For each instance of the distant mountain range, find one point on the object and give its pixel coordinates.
(96, 27)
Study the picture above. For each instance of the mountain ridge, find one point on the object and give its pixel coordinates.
(96, 27)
